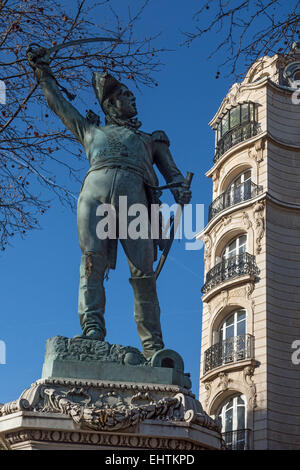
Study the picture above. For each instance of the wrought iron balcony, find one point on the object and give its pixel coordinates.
(230, 350)
(232, 196)
(229, 268)
(235, 136)
(237, 440)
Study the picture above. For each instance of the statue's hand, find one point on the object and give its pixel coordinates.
(182, 195)
(37, 56)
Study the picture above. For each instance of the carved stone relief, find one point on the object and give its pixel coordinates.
(246, 221)
(258, 213)
(224, 381)
(110, 406)
(256, 152)
(207, 252)
(248, 373)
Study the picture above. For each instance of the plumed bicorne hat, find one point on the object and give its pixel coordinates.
(104, 85)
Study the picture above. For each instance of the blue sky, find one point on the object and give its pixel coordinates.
(40, 274)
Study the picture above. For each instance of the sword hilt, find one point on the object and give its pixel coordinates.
(188, 179)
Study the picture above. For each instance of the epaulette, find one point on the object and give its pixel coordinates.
(160, 136)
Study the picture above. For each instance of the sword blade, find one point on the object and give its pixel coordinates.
(81, 41)
(173, 229)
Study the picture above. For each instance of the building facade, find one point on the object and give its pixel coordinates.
(250, 376)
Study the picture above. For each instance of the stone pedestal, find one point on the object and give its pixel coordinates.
(79, 413)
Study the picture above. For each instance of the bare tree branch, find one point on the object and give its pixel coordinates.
(36, 153)
(247, 29)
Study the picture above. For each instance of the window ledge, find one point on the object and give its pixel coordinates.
(229, 367)
(228, 283)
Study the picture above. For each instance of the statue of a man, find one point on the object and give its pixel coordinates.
(121, 158)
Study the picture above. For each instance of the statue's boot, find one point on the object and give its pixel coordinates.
(147, 314)
(91, 298)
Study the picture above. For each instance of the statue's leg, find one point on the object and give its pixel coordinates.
(91, 297)
(146, 306)
(94, 262)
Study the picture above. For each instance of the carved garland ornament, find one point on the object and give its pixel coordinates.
(111, 410)
(113, 417)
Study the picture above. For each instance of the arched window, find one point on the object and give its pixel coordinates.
(239, 189)
(233, 325)
(234, 344)
(233, 414)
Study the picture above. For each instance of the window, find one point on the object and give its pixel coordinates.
(235, 248)
(239, 190)
(232, 337)
(233, 414)
(234, 325)
(238, 124)
(240, 114)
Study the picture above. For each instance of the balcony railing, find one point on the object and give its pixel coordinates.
(235, 136)
(230, 350)
(232, 267)
(237, 440)
(232, 196)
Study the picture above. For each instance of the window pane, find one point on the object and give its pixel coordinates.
(230, 320)
(234, 117)
(228, 420)
(229, 404)
(241, 417)
(241, 328)
(232, 246)
(240, 400)
(225, 123)
(241, 315)
(221, 333)
(247, 175)
(237, 136)
(230, 332)
(245, 112)
(242, 243)
(238, 181)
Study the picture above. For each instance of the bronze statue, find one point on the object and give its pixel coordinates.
(121, 158)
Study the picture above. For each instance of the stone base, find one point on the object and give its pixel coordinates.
(69, 414)
(136, 404)
(99, 360)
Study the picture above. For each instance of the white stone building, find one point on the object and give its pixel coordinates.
(251, 294)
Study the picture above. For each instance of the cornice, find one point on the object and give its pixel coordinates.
(228, 211)
(231, 100)
(247, 143)
(232, 282)
(229, 367)
(235, 149)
